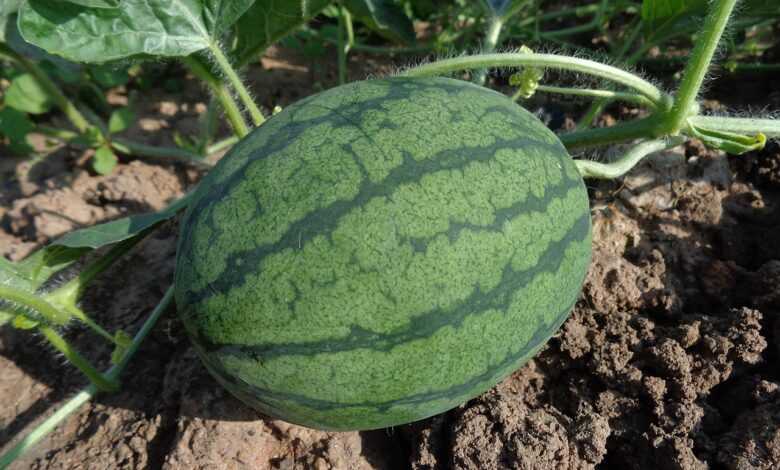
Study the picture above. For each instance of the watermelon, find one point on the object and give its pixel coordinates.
(381, 252)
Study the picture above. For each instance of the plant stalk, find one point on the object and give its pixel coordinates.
(136, 148)
(344, 44)
(48, 311)
(603, 94)
(551, 61)
(638, 129)
(238, 85)
(495, 24)
(102, 383)
(618, 168)
(698, 65)
(221, 92)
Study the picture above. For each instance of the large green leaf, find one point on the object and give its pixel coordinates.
(268, 21)
(135, 28)
(386, 17)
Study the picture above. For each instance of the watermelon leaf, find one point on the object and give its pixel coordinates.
(136, 28)
(385, 17)
(104, 160)
(30, 273)
(120, 120)
(658, 12)
(26, 95)
(268, 21)
(15, 125)
(118, 230)
(33, 271)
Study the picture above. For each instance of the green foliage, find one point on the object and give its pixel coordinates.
(120, 120)
(14, 126)
(267, 21)
(104, 160)
(122, 341)
(735, 144)
(655, 13)
(386, 17)
(25, 94)
(109, 75)
(118, 230)
(30, 273)
(136, 28)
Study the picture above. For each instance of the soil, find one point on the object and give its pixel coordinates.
(667, 361)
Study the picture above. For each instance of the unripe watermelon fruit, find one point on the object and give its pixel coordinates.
(381, 252)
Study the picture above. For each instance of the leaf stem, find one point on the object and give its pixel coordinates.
(551, 61)
(89, 392)
(238, 85)
(221, 145)
(102, 383)
(48, 311)
(232, 111)
(495, 24)
(604, 94)
(136, 148)
(70, 292)
(640, 128)
(698, 65)
(591, 169)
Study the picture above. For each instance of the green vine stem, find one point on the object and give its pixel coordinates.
(495, 24)
(221, 92)
(635, 98)
(551, 61)
(102, 383)
(618, 168)
(48, 311)
(51, 88)
(693, 76)
(90, 391)
(344, 44)
(136, 148)
(127, 146)
(751, 126)
(221, 145)
(238, 85)
(625, 131)
(67, 295)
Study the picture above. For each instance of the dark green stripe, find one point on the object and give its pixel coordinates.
(241, 263)
(426, 325)
(268, 396)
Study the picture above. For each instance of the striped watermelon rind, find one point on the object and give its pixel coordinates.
(381, 252)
